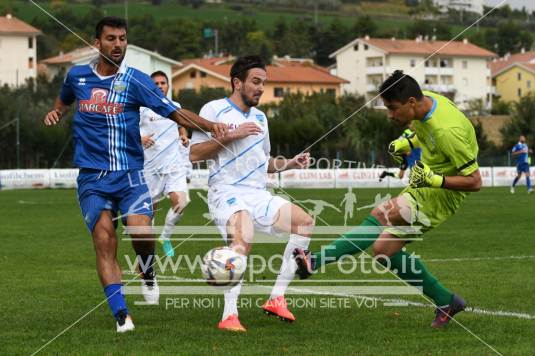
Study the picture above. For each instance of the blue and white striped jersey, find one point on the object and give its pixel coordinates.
(106, 123)
(244, 162)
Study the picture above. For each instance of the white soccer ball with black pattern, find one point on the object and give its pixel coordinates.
(223, 267)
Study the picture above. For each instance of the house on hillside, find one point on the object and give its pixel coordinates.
(513, 76)
(459, 69)
(18, 51)
(284, 76)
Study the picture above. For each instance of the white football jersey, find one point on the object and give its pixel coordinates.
(244, 162)
(164, 156)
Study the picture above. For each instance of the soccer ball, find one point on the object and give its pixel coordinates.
(223, 267)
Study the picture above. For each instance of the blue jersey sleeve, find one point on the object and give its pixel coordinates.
(66, 94)
(149, 95)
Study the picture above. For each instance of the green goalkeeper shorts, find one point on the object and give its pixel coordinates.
(428, 208)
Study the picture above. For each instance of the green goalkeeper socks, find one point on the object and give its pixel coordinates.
(413, 270)
(350, 243)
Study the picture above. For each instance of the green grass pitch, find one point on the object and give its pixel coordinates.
(485, 253)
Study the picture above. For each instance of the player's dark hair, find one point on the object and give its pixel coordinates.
(110, 21)
(159, 73)
(400, 87)
(241, 67)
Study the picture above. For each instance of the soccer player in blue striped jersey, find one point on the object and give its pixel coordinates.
(521, 151)
(108, 151)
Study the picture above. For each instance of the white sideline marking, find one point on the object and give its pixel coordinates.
(390, 302)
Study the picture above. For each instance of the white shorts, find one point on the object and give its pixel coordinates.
(161, 184)
(259, 203)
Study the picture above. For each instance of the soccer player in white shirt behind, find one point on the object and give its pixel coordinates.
(237, 195)
(166, 163)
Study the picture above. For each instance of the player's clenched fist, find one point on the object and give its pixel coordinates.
(53, 117)
(422, 176)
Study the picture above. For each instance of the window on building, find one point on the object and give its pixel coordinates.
(203, 74)
(366, 47)
(465, 82)
(465, 64)
(519, 76)
(413, 63)
(519, 92)
(278, 92)
(331, 92)
(528, 84)
(356, 47)
(444, 63)
(193, 74)
(30, 42)
(30, 63)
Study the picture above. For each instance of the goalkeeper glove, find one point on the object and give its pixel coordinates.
(401, 147)
(422, 176)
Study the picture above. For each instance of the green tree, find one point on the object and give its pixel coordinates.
(522, 122)
(364, 26)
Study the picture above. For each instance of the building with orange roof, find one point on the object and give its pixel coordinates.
(458, 69)
(513, 76)
(18, 51)
(284, 75)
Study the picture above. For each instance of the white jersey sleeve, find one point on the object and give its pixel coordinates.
(207, 112)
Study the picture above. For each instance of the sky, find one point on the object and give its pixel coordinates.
(529, 4)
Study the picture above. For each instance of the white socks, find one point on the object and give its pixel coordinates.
(288, 267)
(231, 300)
(171, 219)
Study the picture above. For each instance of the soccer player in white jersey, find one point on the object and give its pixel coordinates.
(165, 167)
(237, 195)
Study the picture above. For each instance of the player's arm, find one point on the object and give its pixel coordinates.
(280, 164)
(55, 115)
(210, 148)
(191, 120)
(469, 183)
(183, 135)
(516, 153)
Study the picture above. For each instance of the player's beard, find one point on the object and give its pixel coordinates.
(114, 62)
(249, 102)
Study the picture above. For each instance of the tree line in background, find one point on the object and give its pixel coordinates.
(295, 124)
(503, 31)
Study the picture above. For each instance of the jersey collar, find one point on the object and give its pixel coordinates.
(432, 111)
(93, 64)
(246, 114)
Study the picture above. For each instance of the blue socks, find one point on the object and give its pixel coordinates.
(515, 180)
(115, 298)
(528, 181)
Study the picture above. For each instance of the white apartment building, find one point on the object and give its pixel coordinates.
(18, 51)
(460, 5)
(459, 70)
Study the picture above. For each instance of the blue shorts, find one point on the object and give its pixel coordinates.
(522, 168)
(117, 191)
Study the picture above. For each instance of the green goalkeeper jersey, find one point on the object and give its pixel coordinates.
(447, 138)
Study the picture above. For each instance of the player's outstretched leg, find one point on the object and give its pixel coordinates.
(292, 219)
(109, 272)
(239, 232)
(411, 269)
(353, 242)
(143, 244)
(230, 320)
